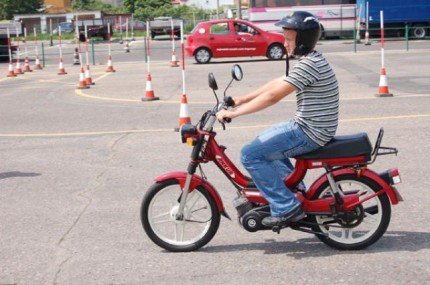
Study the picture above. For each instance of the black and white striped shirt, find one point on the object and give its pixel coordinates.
(317, 97)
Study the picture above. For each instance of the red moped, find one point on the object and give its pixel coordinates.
(348, 207)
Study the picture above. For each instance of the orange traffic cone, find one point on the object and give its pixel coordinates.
(26, 65)
(18, 69)
(383, 86)
(109, 65)
(88, 79)
(149, 94)
(76, 57)
(37, 66)
(61, 69)
(184, 113)
(11, 73)
(174, 61)
(82, 82)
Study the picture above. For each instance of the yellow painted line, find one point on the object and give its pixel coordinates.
(102, 76)
(95, 133)
(370, 97)
(387, 118)
(86, 133)
(82, 94)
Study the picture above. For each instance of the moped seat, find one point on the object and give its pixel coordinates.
(342, 146)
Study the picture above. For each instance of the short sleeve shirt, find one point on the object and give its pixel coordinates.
(317, 97)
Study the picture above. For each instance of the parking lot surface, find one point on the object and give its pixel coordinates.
(75, 164)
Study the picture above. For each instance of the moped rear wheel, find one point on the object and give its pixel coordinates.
(158, 215)
(364, 225)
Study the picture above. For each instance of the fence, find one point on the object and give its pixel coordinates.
(96, 51)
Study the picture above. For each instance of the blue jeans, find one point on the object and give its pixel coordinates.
(266, 160)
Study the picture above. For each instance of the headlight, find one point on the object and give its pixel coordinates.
(187, 131)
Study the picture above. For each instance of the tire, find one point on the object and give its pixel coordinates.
(275, 52)
(203, 55)
(376, 214)
(419, 32)
(158, 211)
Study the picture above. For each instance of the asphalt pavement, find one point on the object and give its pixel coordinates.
(75, 164)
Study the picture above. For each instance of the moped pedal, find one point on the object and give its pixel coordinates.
(277, 229)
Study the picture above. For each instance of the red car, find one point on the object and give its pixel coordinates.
(232, 38)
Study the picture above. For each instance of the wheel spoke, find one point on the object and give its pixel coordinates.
(364, 227)
(196, 228)
(179, 232)
(348, 234)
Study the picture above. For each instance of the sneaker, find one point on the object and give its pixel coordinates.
(294, 216)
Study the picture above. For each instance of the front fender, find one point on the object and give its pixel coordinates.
(197, 180)
(386, 188)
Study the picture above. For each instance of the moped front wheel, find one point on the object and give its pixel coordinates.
(160, 221)
(360, 227)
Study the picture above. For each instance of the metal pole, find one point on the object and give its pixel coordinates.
(148, 55)
(183, 57)
(407, 37)
(93, 52)
(43, 54)
(132, 27)
(366, 35)
(355, 39)
(50, 24)
(145, 50)
(382, 39)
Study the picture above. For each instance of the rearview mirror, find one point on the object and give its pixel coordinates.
(236, 72)
(212, 82)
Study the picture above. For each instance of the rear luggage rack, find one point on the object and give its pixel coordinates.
(381, 150)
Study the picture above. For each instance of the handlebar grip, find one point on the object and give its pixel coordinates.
(227, 120)
(229, 102)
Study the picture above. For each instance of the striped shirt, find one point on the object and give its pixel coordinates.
(317, 97)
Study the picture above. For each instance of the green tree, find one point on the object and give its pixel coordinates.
(147, 9)
(8, 8)
(96, 5)
(79, 5)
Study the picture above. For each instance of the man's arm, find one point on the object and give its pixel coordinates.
(265, 96)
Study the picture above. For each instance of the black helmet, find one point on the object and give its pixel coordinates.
(307, 27)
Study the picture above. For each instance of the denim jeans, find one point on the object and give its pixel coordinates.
(266, 160)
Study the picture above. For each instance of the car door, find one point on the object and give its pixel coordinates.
(221, 39)
(249, 41)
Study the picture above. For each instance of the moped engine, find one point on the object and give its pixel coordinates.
(242, 205)
(249, 216)
(251, 221)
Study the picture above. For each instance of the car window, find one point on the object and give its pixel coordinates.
(219, 29)
(250, 30)
(195, 29)
(244, 29)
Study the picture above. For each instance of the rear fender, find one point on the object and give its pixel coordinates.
(386, 188)
(195, 181)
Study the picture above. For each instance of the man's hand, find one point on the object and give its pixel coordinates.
(223, 115)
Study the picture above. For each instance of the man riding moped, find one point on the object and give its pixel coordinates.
(266, 158)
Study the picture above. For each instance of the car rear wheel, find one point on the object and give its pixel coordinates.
(419, 32)
(275, 52)
(202, 55)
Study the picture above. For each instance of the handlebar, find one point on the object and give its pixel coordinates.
(228, 102)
